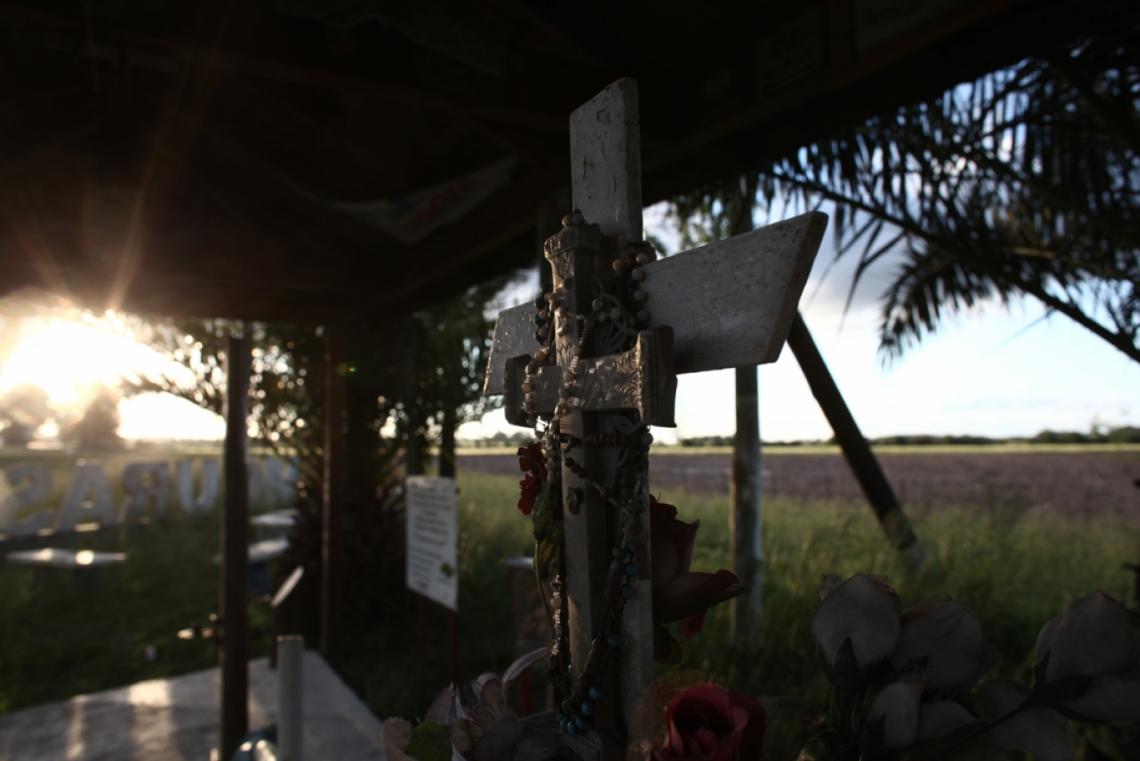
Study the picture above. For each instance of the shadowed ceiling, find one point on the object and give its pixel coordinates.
(308, 160)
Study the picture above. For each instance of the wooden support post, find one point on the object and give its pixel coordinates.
(855, 448)
(332, 494)
(235, 548)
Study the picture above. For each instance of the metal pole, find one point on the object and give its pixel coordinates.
(855, 448)
(747, 537)
(746, 611)
(290, 697)
(235, 543)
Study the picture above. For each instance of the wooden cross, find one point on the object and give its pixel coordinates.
(724, 305)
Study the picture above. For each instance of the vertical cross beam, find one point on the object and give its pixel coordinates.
(605, 160)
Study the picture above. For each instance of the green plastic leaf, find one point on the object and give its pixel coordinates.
(430, 742)
(666, 648)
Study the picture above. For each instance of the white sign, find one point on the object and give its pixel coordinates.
(433, 531)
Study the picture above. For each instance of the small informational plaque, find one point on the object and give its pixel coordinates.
(433, 531)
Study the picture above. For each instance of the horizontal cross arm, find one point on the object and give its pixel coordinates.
(730, 303)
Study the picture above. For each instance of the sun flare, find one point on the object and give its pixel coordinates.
(72, 355)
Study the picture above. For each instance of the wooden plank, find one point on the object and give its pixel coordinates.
(731, 303)
(513, 337)
(235, 531)
(605, 160)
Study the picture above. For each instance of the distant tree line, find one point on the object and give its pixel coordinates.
(1097, 435)
(1126, 434)
(26, 408)
(500, 439)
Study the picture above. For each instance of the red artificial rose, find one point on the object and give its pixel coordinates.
(711, 723)
(529, 487)
(531, 459)
(679, 593)
(691, 626)
(533, 466)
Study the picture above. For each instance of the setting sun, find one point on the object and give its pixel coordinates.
(72, 355)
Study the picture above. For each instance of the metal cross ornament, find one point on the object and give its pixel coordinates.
(621, 325)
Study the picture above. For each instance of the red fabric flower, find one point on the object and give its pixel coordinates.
(679, 593)
(533, 466)
(529, 487)
(691, 626)
(711, 723)
(531, 459)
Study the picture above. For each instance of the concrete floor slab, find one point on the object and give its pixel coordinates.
(177, 720)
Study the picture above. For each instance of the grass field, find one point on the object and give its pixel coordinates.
(778, 449)
(1014, 569)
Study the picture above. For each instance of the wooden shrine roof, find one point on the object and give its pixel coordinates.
(314, 159)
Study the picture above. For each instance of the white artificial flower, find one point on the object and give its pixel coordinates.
(941, 718)
(947, 639)
(1099, 639)
(897, 706)
(862, 610)
(1038, 730)
(395, 734)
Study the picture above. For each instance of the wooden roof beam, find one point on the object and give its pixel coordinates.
(169, 56)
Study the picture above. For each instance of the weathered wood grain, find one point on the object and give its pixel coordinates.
(732, 303)
(605, 160)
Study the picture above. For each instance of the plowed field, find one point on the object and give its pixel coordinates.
(1089, 483)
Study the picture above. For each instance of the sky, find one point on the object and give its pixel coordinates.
(995, 371)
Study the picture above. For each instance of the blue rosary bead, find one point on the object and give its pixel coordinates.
(587, 709)
(578, 722)
(631, 569)
(571, 728)
(595, 693)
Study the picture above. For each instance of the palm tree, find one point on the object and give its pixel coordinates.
(1024, 182)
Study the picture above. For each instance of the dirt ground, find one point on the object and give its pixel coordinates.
(1079, 483)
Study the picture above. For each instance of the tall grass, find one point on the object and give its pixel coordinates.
(1014, 569)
